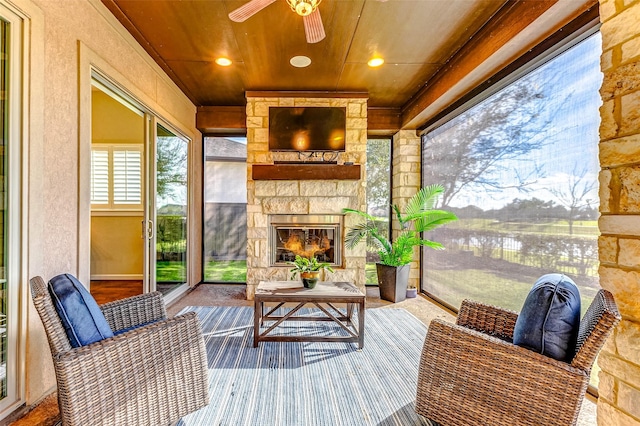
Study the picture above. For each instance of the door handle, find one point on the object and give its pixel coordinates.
(148, 231)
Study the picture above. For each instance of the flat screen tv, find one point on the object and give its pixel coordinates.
(307, 128)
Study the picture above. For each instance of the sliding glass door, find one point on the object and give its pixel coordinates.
(11, 39)
(169, 247)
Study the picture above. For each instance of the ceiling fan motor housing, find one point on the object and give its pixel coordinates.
(303, 7)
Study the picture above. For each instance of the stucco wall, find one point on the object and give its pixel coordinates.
(73, 35)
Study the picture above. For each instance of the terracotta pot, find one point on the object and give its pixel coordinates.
(309, 279)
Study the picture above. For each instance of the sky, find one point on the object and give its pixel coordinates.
(569, 128)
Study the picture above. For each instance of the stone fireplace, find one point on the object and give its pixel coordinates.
(316, 191)
(305, 235)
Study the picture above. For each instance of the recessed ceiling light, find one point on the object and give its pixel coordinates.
(300, 61)
(223, 62)
(375, 62)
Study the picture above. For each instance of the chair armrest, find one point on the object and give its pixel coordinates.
(463, 371)
(122, 376)
(488, 319)
(134, 311)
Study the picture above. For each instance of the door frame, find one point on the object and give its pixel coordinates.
(84, 170)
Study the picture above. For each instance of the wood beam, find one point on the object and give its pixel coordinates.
(233, 120)
(512, 19)
(222, 119)
(383, 121)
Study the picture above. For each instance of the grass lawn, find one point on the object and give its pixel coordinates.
(169, 271)
(231, 271)
(454, 285)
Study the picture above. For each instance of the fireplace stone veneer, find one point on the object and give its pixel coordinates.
(267, 199)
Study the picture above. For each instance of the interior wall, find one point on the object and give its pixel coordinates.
(75, 35)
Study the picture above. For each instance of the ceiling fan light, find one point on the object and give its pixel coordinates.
(304, 7)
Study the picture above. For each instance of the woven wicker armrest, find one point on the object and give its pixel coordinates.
(462, 371)
(134, 311)
(488, 319)
(119, 380)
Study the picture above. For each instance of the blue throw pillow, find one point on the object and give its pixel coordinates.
(82, 319)
(550, 318)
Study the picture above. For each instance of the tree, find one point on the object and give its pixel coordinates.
(378, 176)
(573, 193)
(171, 160)
(492, 140)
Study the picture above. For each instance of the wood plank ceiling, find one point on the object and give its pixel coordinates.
(417, 39)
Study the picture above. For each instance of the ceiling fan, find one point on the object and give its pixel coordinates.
(308, 9)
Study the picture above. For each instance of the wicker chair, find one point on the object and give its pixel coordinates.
(151, 375)
(471, 374)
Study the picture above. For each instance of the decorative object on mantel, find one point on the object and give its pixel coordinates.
(309, 270)
(395, 257)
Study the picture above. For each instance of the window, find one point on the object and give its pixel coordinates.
(520, 170)
(378, 194)
(116, 177)
(225, 209)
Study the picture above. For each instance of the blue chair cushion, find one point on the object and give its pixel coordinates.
(550, 318)
(82, 319)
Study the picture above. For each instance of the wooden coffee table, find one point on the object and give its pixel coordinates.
(324, 297)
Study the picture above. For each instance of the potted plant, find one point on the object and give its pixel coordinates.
(309, 270)
(395, 256)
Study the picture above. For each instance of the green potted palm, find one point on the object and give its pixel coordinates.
(309, 270)
(395, 256)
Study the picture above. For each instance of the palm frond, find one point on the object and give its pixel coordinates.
(432, 219)
(357, 232)
(424, 199)
(362, 214)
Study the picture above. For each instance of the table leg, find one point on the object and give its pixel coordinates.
(350, 310)
(257, 318)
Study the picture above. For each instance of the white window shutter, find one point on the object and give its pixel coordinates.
(127, 177)
(99, 176)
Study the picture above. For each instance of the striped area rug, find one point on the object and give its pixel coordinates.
(314, 384)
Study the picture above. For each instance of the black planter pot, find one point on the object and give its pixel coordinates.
(392, 282)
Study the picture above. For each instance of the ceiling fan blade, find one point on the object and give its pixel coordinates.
(313, 27)
(249, 9)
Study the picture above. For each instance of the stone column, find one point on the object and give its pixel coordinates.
(619, 244)
(405, 183)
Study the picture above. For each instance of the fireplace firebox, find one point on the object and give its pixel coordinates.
(305, 235)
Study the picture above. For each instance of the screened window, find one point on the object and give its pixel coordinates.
(378, 194)
(520, 170)
(116, 177)
(225, 210)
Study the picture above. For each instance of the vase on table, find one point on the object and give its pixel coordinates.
(309, 279)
